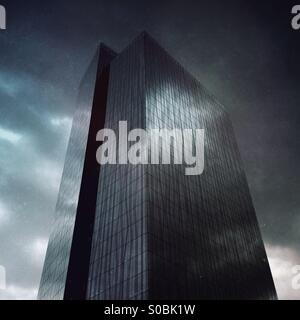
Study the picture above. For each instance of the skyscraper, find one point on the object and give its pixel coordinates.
(128, 231)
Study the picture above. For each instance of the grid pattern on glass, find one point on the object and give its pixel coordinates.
(199, 237)
(203, 236)
(159, 234)
(118, 265)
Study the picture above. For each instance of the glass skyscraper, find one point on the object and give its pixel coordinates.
(149, 231)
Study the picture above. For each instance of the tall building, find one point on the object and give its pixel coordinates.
(149, 231)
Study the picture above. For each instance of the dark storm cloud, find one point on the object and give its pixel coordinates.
(245, 53)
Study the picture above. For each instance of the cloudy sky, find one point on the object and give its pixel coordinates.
(244, 52)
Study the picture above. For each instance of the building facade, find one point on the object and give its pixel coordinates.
(149, 231)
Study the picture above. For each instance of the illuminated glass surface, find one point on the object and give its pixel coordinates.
(157, 233)
(203, 236)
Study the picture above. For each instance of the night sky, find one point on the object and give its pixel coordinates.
(244, 52)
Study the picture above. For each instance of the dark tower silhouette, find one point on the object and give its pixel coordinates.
(150, 231)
